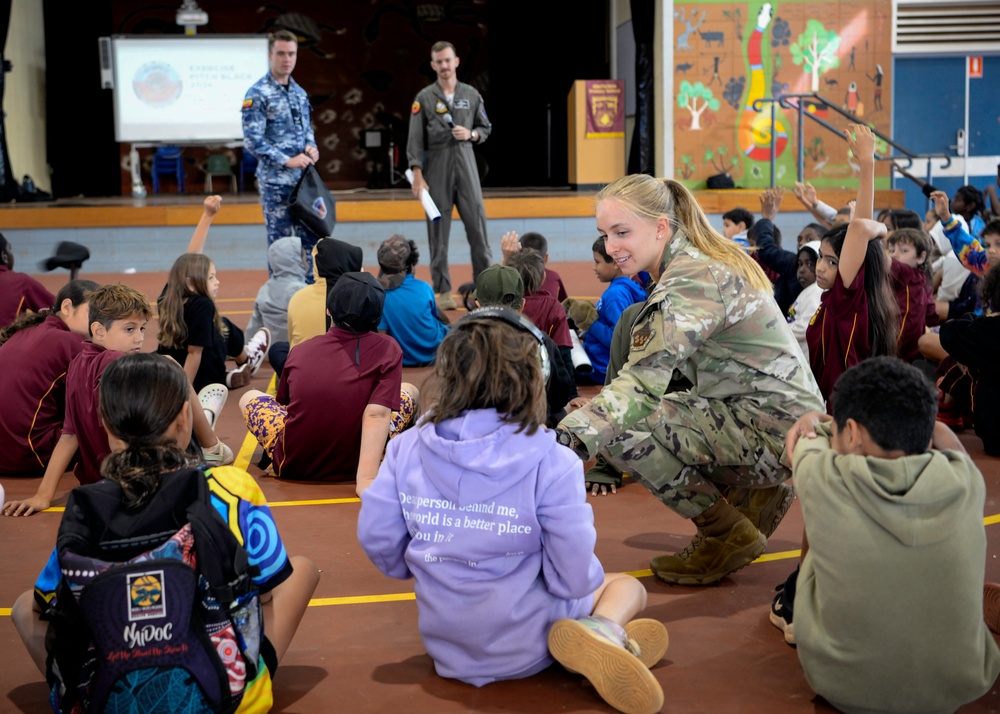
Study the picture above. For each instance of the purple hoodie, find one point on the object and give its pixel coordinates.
(496, 529)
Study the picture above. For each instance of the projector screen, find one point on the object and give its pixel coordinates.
(179, 89)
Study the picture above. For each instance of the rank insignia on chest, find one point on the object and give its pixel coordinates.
(247, 103)
(415, 108)
(440, 107)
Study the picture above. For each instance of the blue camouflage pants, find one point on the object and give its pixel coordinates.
(690, 445)
(275, 199)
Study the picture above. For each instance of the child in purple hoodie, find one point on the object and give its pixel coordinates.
(489, 514)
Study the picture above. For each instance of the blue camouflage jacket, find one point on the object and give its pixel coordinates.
(276, 127)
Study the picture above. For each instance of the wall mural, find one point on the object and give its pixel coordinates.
(730, 55)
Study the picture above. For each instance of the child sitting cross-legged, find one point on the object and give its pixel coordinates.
(118, 315)
(411, 316)
(888, 600)
(151, 485)
(481, 505)
(340, 396)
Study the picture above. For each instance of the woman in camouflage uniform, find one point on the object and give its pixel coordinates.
(713, 380)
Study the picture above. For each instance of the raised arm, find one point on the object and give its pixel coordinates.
(211, 207)
(852, 255)
(807, 196)
(861, 139)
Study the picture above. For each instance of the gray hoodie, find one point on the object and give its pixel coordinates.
(288, 277)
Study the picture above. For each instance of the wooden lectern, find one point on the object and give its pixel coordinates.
(594, 161)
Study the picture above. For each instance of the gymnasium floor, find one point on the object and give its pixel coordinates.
(358, 649)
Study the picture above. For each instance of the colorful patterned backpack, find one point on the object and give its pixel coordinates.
(156, 610)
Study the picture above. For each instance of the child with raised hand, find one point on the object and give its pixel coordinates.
(771, 256)
(18, 292)
(118, 315)
(479, 503)
(858, 316)
(411, 316)
(547, 313)
(975, 254)
(191, 329)
(146, 409)
(894, 536)
(553, 284)
(621, 292)
(37, 350)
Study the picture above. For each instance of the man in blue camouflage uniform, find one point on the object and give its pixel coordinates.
(277, 130)
(446, 119)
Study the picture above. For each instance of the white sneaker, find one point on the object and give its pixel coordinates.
(256, 349)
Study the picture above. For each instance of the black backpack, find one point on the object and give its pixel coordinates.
(156, 610)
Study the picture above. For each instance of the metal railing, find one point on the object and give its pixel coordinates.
(799, 105)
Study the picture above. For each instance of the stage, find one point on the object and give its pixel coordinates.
(126, 234)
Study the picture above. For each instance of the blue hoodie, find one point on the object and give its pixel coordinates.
(621, 292)
(495, 528)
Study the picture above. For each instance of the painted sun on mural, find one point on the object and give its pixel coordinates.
(734, 63)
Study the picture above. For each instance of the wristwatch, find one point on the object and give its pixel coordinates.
(565, 438)
(474, 136)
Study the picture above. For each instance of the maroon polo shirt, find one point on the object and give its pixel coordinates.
(549, 316)
(553, 285)
(909, 285)
(326, 394)
(33, 366)
(20, 293)
(83, 382)
(838, 332)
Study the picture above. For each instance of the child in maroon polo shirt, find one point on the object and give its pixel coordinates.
(341, 394)
(37, 350)
(858, 316)
(18, 292)
(118, 317)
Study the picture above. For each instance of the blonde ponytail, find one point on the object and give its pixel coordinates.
(688, 216)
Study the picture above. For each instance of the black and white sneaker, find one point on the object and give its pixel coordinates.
(781, 607)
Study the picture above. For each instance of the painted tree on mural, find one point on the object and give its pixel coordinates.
(816, 51)
(696, 98)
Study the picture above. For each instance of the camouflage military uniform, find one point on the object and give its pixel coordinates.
(449, 168)
(276, 127)
(750, 383)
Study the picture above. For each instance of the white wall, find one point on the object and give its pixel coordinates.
(24, 98)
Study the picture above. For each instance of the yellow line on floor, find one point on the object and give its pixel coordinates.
(317, 502)
(361, 599)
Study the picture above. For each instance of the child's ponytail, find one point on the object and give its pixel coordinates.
(141, 396)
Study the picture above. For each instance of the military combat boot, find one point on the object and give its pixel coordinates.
(725, 542)
(764, 507)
